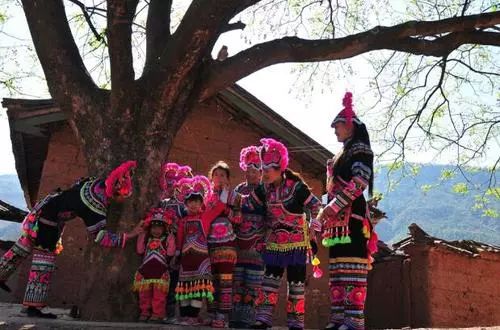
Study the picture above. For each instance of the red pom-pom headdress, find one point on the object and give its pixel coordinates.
(119, 181)
(187, 187)
(159, 216)
(347, 115)
(173, 172)
(273, 154)
(250, 157)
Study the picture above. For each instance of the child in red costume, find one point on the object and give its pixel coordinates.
(157, 245)
(195, 275)
(222, 247)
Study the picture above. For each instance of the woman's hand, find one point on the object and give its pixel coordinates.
(137, 230)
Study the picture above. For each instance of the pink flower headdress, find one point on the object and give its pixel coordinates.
(173, 172)
(187, 187)
(273, 154)
(250, 157)
(119, 181)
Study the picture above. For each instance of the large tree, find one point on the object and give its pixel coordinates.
(137, 117)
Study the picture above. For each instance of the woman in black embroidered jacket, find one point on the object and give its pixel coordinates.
(43, 226)
(345, 221)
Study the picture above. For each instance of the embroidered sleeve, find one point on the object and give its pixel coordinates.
(141, 244)
(308, 200)
(170, 245)
(109, 239)
(361, 160)
(234, 199)
(211, 213)
(234, 206)
(255, 200)
(94, 227)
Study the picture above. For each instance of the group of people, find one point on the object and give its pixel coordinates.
(229, 248)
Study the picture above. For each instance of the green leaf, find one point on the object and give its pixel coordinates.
(95, 43)
(495, 192)
(400, 91)
(439, 112)
(415, 170)
(460, 188)
(478, 206)
(492, 213)
(396, 166)
(3, 18)
(427, 187)
(378, 195)
(447, 174)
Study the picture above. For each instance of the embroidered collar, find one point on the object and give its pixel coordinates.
(93, 195)
(347, 141)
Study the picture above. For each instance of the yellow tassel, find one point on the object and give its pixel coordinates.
(315, 261)
(366, 232)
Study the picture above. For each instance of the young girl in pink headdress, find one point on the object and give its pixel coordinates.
(286, 199)
(195, 278)
(249, 268)
(171, 173)
(157, 245)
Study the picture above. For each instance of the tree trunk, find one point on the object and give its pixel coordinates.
(106, 288)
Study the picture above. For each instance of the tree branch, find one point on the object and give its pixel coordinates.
(157, 30)
(89, 21)
(57, 51)
(465, 7)
(330, 14)
(444, 45)
(233, 26)
(190, 44)
(406, 37)
(120, 14)
(202, 24)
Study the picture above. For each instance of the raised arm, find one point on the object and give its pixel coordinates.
(140, 246)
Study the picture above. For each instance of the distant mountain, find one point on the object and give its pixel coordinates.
(11, 192)
(431, 202)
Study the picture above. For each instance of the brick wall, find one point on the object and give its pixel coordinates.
(64, 164)
(434, 287)
(209, 134)
(388, 299)
(398, 291)
(464, 290)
